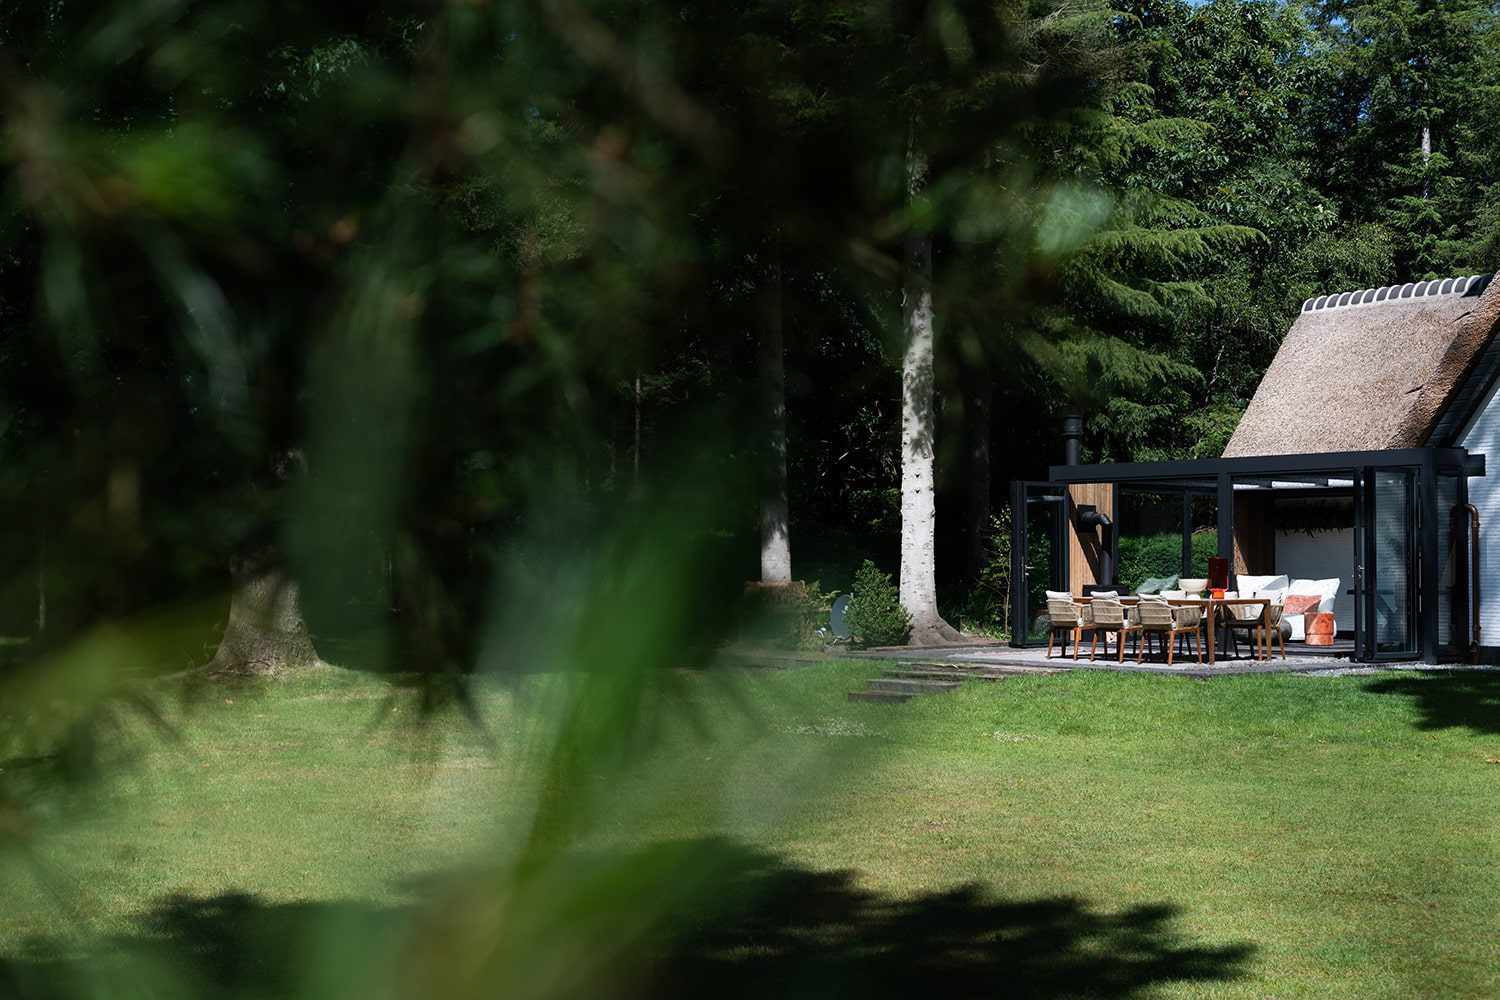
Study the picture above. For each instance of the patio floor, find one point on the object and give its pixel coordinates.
(1300, 659)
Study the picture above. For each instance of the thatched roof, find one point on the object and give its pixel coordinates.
(1369, 370)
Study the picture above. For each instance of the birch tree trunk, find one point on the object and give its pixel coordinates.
(775, 517)
(1426, 140)
(266, 634)
(918, 419)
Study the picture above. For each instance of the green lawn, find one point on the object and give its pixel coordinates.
(1079, 834)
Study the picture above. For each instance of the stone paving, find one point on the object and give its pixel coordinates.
(995, 655)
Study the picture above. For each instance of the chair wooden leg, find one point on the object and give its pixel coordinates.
(1198, 642)
(1051, 634)
(1094, 645)
(1171, 648)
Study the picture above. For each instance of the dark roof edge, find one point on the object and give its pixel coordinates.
(1464, 403)
(1471, 284)
(1248, 465)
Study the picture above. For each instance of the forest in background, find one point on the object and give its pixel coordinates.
(413, 307)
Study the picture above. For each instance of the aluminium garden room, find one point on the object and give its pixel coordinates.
(1358, 469)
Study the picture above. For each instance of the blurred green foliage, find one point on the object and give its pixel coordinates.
(439, 321)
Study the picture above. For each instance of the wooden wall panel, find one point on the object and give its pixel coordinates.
(1083, 543)
(1254, 539)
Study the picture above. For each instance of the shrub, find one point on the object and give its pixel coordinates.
(1143, 556)
(793, 616)
(985, 606)
(810, 611)
(876, 617)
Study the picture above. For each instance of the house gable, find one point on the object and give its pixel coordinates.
(1372, 369)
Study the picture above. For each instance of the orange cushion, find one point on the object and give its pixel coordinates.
(1300, 604)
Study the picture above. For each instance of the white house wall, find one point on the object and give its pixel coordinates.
(1482, 437)
(1321, 555)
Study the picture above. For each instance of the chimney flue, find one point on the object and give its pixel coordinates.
(1072, 438)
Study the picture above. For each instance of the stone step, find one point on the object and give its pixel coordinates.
(927, 675)
(938, 673)
(881, 697)
(911, 686)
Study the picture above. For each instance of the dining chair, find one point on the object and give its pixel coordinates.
(1069, 620)
(1110, 616)
(1171, 624)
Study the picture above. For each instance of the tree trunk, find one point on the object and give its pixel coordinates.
(635, 451)
(265, 635)
(775, 517)
(981, 396)
(918, 420)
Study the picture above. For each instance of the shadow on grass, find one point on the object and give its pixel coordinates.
(775, 930)
(811, 933)
(1467, 699)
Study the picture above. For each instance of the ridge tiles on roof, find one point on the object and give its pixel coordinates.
(1471, 284)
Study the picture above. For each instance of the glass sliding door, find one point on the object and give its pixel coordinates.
(1389, 573)
(1452, 577)
(1039, 556)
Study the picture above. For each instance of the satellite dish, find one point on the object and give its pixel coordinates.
(836, 623)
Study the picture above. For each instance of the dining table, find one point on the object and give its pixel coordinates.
(1213, 607)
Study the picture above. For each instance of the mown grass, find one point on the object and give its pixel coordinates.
(1301, 836)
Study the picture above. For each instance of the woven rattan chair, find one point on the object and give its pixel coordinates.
(1243, 618)
(1111, 616)
(1068, 620)
(1170, 623)
(1275, 635)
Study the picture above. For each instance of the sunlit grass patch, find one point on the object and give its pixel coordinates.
(1297, 837)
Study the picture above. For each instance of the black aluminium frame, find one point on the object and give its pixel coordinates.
(1218, 475)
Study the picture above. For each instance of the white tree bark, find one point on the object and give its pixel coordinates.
(918, 420)
(1426, 159)
(775, 517)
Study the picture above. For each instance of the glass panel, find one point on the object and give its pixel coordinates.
(1448, 565)
(1453, 564)
(1204, 527)
(1150, 538)
(1046, 553)
(1393, 530)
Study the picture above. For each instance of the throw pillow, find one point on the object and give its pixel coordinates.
(1301, 604)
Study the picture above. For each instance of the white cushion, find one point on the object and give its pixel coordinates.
(1174, 595)
(1255, 584)
(1325, 589)
(1159, 598)
(1107, 595)
(1059, 595)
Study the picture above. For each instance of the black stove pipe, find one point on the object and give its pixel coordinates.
(1072, 438)
(1090, 516)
